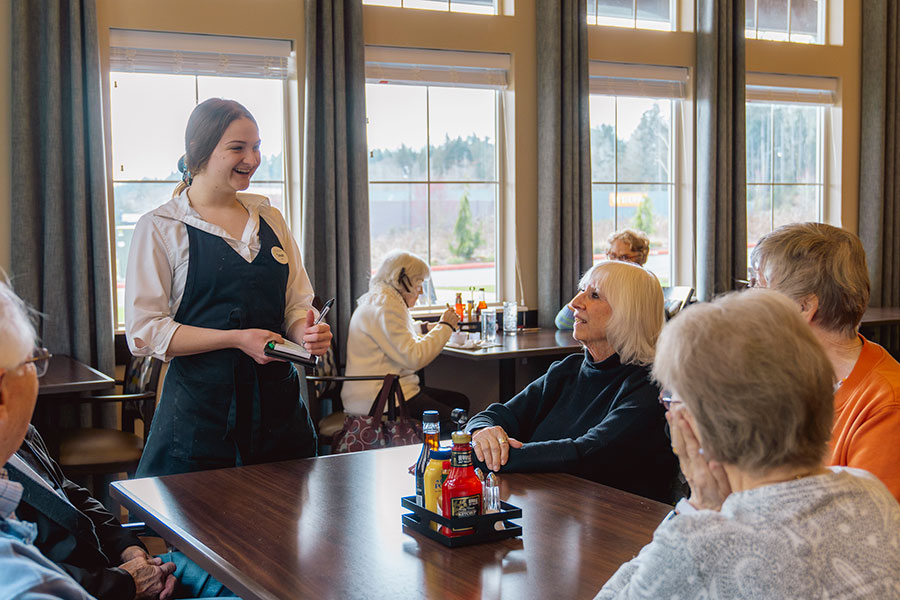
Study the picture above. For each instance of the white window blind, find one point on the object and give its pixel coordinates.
(436, 67)
(646, 81)
(770, 87)
(189, 54)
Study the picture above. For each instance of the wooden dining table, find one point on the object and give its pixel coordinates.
(508, 348)
(67, 376)
(330, 527)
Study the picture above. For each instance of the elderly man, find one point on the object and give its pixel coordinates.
(24, 571)
(823, 269)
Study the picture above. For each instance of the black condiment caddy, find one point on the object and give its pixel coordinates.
(420, 517)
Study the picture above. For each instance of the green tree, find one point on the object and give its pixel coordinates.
(466, 233)
(643, 218)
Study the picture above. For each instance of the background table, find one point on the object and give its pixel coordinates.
(544, 342)
(330, 527)
(68, 376)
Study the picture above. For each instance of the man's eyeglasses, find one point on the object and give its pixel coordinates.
(41, 359)
(667, 399)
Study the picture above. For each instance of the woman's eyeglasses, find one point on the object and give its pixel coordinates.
(667, 399)
(41, 359)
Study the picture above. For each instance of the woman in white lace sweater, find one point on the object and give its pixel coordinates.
(750, 396)
(384, 338)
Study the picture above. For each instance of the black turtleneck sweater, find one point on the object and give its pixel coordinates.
(597, 420)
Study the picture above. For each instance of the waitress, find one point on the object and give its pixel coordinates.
(213, 276)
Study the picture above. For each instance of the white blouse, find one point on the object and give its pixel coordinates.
(158, 266)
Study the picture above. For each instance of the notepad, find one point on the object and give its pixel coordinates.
(290, 351)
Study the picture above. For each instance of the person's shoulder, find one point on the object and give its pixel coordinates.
(175, 209)
(882, 373)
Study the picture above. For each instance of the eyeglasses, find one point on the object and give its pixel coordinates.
(41, 359)
(667, 399)
(623, 257)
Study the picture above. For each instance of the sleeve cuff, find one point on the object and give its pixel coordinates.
(683, 507)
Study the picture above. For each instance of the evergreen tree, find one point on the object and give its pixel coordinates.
(643, 218)
(466, 234)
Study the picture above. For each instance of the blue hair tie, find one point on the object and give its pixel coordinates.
(186, 175)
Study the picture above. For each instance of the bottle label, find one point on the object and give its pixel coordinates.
(464, 506)
(462, 458)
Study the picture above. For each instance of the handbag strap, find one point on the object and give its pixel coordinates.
(401, 402)
(387, 385)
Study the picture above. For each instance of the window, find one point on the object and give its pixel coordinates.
(434, 184)
(636, 14)
(785, 151)
(486, 7)
(800, 21)
(152, 93)
(633, 175)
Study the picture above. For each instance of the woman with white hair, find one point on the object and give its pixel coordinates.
(749, 389)
(595, 414)
(383, 338)
(627, 245)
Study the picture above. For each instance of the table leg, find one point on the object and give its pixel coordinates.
(507, 378)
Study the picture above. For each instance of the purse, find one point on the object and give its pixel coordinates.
(369, 432)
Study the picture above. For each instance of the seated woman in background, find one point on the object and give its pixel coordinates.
(627, 245)
(595, 415)
(750, 418)
(383, 338)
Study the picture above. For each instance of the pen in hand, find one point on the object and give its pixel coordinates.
(324, 312)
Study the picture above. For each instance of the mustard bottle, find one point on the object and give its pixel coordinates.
(433, 480)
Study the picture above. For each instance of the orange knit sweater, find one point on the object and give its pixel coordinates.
(866, 432)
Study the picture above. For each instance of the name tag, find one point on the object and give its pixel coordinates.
(279, 255)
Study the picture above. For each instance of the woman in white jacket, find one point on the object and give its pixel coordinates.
(384, 339)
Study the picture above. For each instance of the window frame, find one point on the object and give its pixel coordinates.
(803, 90)
(637, 80)
(258, 49)
(436, 69)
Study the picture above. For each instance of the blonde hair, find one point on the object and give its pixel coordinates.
(636, 240)
(801, 259)
(16, 329)
(636, 300)
(754, 377)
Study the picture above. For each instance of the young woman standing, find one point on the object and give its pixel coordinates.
(213, 276)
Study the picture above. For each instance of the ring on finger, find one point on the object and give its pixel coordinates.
(503, 441)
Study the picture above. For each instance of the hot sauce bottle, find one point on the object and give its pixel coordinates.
(461, 493)
(459, 307)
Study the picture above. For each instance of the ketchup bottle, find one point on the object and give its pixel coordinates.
(462, 492)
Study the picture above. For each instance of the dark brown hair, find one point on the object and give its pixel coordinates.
(205, 127)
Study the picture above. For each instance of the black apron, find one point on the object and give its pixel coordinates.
(222, 409)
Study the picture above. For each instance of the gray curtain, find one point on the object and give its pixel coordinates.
(879, 156)
(60, 236)
(721, 147)
(336, 197)
(564, 176)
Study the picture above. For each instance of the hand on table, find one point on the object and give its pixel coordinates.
(492, 445)
(316, 338)
(709, 484)
(152, 577)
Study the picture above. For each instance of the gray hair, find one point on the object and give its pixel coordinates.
(813, 258)
(397, 265)
(636, 240)
(754, 377)
(636, 300)
(16, 329)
